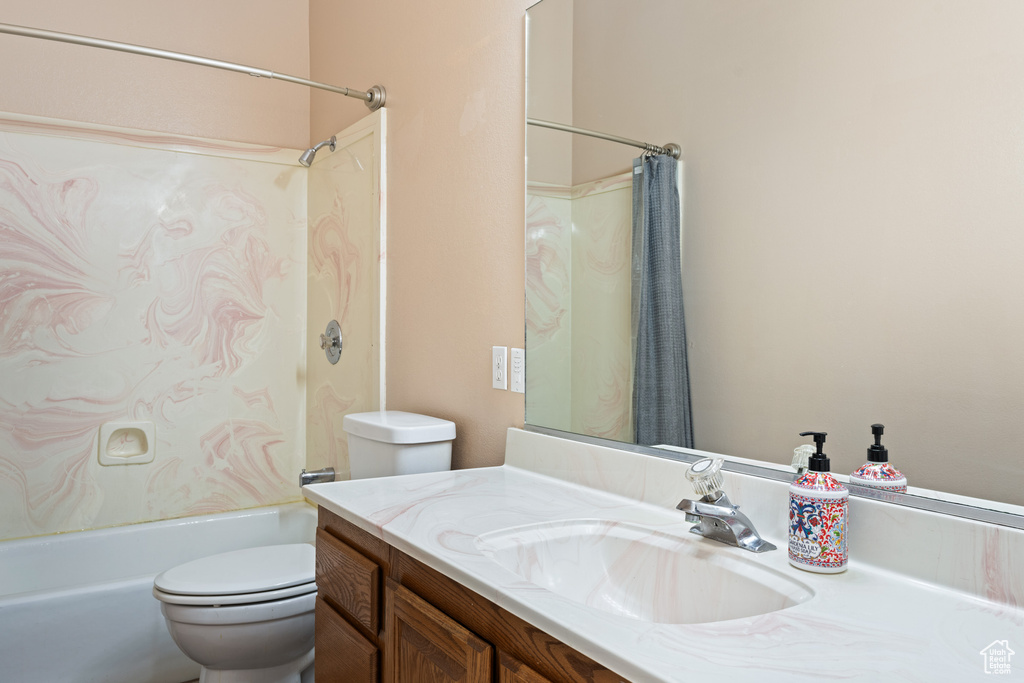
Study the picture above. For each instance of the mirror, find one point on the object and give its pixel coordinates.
(852, 229)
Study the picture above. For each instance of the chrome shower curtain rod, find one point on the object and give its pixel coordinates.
(671, 149)
(374, 98)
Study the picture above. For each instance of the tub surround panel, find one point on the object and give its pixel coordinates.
(578, 261)
(147, 280)
(602, 359)
(346, 264)
(549, 307)
(913, 628)
(169, 142)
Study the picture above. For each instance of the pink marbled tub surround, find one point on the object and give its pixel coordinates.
(146, 278)
(921, 609)
(170, 142)
(346, 256)
(549, 309)
(578, 255)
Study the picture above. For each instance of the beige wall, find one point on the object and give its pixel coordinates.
(852, 224)
(549, 79)
(454, 73)
(47, 78)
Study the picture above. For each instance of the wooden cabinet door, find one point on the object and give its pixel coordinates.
(511, 670)
(342, 655)
(424, 645)
(347, 580)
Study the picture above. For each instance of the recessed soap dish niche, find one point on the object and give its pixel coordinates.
(127, 443)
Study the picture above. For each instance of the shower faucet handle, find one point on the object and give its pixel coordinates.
(330, 341)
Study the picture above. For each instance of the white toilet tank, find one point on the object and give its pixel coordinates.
(389, 442)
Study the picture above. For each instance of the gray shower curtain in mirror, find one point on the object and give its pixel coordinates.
(661, 382)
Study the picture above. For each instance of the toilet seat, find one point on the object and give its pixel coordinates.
(253, 612)
(240, 577)
(240, 599)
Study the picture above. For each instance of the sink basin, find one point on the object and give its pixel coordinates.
(640, 573)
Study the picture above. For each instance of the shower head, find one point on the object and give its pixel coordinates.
(307, 157)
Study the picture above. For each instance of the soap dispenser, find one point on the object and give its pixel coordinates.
(877, 472)
(818, 510)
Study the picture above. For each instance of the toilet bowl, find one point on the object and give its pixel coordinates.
(245, 616)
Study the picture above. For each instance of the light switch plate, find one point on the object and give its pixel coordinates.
(517, 370)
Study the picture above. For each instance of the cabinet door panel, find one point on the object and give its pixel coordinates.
(348, 580)
(341, 653)
(366, 543)
(424, 645)
(509, 634)
(511, 670)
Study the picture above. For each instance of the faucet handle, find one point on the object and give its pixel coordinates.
(705, 476)
(801, 457)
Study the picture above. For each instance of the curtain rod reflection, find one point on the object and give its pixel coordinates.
(671, 149)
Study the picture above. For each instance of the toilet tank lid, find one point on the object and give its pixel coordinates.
(398, 427)
(250, 570)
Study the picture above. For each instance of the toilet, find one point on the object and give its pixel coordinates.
(390, 442)
(246, 616)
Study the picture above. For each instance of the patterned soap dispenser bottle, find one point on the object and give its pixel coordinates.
(818, 511)
(877, 472)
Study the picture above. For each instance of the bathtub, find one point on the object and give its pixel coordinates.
(78, 607)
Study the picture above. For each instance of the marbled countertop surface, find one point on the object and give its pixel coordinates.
(864, 624)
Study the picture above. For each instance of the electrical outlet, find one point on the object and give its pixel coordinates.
(517, 370)
(499, 367)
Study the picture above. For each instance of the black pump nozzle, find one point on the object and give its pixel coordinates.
(878, 452)
(819, 461)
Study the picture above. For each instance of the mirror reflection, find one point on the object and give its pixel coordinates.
(852, 248)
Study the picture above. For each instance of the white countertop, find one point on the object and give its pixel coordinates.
(867, 623)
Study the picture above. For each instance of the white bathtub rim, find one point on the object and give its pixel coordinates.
(20, 558)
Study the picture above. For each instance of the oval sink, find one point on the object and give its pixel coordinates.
(640, 573)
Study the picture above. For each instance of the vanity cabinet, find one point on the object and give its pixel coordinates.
(384, 616)
(511, 670)
(342, 654)
(424, 643)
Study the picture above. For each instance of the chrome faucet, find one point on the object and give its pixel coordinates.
(316, 476)
(714, 515)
